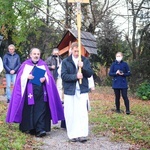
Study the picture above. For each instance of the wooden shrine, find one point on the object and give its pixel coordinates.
(88, 43)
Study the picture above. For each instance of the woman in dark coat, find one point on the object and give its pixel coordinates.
(119, 70)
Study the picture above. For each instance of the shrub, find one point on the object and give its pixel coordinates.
(143, 91)
(139, 72)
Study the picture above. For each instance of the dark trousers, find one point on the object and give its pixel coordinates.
(124, 96)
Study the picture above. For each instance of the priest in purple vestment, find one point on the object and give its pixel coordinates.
(35, 100)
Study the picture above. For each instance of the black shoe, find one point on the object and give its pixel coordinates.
(118, 111)
(41, 134)
(82, 139)
(8, 100)
(74, 140)
(32, 132)
(26, 132)
(128, 112)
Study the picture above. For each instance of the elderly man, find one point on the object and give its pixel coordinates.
(35, 100)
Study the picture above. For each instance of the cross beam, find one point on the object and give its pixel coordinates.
(75, 1)
(79, 26)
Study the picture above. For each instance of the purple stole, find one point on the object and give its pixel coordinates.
(30, 94)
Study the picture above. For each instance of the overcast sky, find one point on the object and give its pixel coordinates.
(122, 19)
(120, 9)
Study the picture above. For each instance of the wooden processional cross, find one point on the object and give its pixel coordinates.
(79, 26)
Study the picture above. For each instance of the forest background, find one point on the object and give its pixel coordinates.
(42, 24)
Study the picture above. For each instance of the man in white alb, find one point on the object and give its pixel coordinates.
(76, 94)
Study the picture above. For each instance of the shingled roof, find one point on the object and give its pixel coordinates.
(87, 40)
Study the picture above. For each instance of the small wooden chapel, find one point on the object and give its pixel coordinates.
(88, 43)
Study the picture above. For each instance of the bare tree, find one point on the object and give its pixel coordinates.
(94, 13)
(64, 13)
(138, 9)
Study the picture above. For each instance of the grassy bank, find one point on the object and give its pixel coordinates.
(10, 137)
(133, 128)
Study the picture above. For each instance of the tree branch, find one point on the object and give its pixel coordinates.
(141, 38)
(47, 14)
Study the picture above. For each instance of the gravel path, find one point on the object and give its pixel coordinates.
(57, 140)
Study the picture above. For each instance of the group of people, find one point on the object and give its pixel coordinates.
(34, 104)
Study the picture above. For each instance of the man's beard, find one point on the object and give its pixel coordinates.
(36, 59)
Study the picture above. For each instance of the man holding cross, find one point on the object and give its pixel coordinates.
(76, 94)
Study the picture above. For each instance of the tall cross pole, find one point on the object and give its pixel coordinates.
(79, 26)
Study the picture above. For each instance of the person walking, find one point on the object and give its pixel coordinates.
(54, 65)
(11, 62)
(35, 100)
(53, 62)
(76, 94)
(119, 70)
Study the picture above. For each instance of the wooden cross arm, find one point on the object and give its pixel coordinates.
(75, 1)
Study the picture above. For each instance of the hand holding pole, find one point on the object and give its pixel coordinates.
(79, 27)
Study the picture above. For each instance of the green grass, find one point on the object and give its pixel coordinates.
(10, 136)
(133, 128)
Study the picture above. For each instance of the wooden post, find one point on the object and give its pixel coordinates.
(79, 33)
(79, 26)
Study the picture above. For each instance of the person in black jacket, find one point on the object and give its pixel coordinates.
(76, 94)
(53, 62)
(119, 70)
(11, 62)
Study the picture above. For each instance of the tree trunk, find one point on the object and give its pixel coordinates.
(68, 15)
(47, 15)
(10, 41)
(133, 39)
